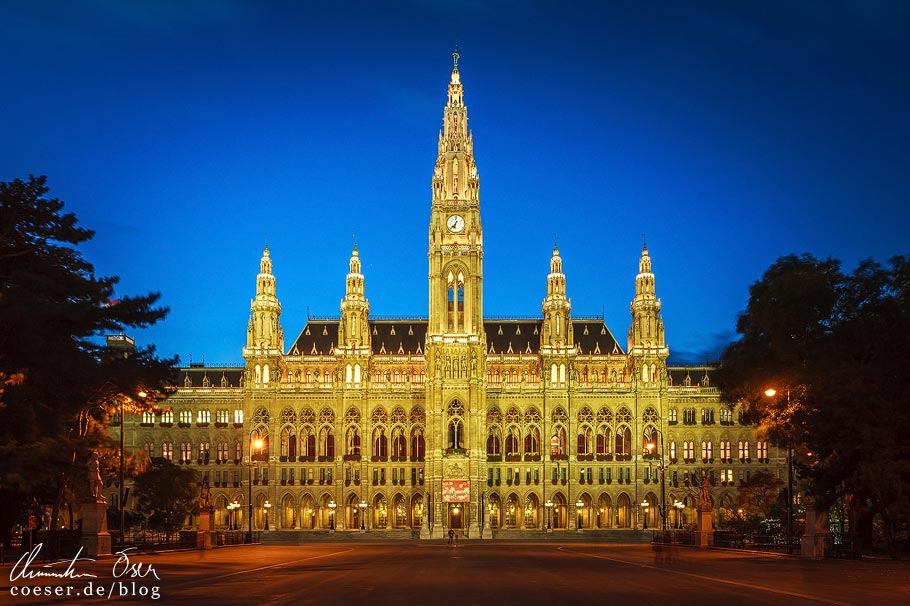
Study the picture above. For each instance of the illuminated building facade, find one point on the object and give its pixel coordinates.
(456, 420)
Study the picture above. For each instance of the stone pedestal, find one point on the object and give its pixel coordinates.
(474, 530)
(812, 545)
(704, 535)
(425, 524)
(205, 533)
(96, 540)
(486, 533)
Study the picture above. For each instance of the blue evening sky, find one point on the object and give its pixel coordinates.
(731, 133)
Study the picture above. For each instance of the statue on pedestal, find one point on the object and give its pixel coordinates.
(95, 483)
(205, 497)
(705, 500)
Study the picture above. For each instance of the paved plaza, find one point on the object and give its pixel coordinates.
(469, 573)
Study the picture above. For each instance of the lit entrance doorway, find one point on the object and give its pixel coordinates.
(456, 516)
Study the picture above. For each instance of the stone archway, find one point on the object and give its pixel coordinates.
(511, 511)
(585, 517)
(417, 510)
(605, 511)
(532, 512)
(623, 512)
(495, 512)
(288, 513)
(560, 511)
(398, 515)
(221, 511)
(307, 512)
(353, 516)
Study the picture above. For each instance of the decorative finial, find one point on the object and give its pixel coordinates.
(455, 56)
(644, 241)
(354, 236)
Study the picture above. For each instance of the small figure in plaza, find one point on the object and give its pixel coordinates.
(451, 536)
(705, 501)
(205, 498)
(95, 483)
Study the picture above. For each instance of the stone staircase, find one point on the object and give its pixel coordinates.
(302, 537)
(585, 536)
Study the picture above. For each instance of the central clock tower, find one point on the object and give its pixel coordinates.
(456, 342)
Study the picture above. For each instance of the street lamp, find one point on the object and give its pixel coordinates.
(267, 507)
(332, 506)
(253, 444)
(645, 505)
(771, 392)
(122, 495)
(549, 506)
(232, 518)
(578, 505)
(662, 469)
(363, 509)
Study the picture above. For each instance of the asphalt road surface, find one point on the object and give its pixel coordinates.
(436, 574)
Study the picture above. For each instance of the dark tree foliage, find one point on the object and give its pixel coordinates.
(836, 347)
(59, 384)
(758, 500)
(166, 494)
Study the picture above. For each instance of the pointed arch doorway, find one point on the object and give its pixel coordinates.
(456, 516)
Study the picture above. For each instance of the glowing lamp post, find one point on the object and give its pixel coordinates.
(662, 469)
(254, 444)
(232, 508)
(771, 392)
(679, 505)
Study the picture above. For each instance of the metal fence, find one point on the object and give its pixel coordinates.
(837, 547)
(673, 537)
(774, 543)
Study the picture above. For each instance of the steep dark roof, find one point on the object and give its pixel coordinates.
(398, 337)
(408, 336)
(694, 376)
(318, 337)
(593, 337)
(513, 336)
(214, 376)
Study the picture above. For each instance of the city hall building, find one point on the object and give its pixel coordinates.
(490, 427)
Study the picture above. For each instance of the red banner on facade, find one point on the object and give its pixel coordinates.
(456, 491)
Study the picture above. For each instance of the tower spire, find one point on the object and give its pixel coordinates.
(264, 335)
(557, 323)
(456, 235)
(646, 333)
(353, 329)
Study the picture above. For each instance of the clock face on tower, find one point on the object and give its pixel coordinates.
(455, 223)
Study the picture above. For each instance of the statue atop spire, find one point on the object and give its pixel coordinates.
(455, 56)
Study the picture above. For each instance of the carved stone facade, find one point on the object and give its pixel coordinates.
(456, 420)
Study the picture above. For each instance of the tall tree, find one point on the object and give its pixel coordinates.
(835, 347)
(61, 384)
(166, 494)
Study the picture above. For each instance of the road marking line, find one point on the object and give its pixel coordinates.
(233, 574)
(715, 579)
